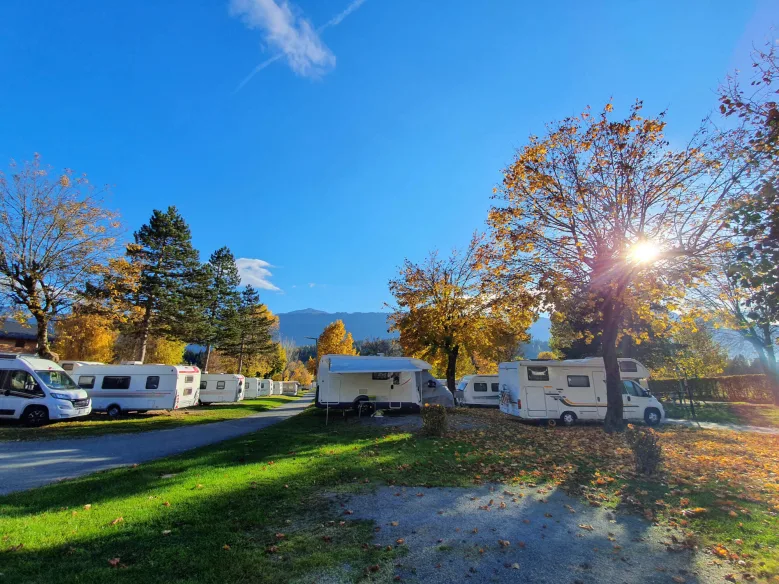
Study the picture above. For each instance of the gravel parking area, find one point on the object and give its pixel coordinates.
(508, 534)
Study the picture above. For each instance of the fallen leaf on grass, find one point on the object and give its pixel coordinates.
(504, 543)
(373, 568)
(586, 526)
(114, 562)
(87, 507)
(166, 503)
(226, 547)
(117, 520)
(400, 541)
(348, 512)
(394, 523)
(327, 538)
(166, 532)
(679, 580)
(515, 566)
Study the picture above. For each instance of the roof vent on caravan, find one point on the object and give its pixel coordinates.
(131, 363)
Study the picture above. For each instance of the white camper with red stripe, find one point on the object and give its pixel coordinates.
(132, 387)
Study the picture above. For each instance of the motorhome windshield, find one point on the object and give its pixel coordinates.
(462, 385)
(56, 380)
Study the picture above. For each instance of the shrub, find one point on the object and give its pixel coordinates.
(753, 388)
(433, 420)
(645, 444)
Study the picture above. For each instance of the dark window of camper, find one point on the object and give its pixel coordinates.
(538, 374)
(578, 381)
(479, 387)
(152, 382)
(203, 384)
(187, 391)
(19, 344)
(189, 379)
(220, 384)
(68, 366)
(116, 382)
(628, 367)
(86, 382)
(495, 387)
(381, 376)
(632, 388)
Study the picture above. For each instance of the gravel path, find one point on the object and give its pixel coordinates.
(24, 465)
(450, 537)
(718, 426)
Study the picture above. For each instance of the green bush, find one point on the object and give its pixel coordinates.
(753, 388)
(645, 444)
(434, 420)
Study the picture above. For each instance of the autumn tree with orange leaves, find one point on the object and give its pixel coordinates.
(606, 204)
(450, 307)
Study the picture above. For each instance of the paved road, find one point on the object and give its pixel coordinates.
(717, 426)
(24, 465)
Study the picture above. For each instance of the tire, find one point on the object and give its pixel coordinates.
(652, 416)
(568, 419)
(35, 416)
(113, 411)
(364, 405)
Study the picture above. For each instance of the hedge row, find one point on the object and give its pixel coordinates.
(753, 388)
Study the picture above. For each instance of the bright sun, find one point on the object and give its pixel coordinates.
(643, 252)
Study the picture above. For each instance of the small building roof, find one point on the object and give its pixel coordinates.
(374, 364)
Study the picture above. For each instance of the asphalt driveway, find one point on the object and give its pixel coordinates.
(25, 465)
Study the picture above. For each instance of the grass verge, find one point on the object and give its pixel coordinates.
(268, 507)
(98, 424)
(765, 415)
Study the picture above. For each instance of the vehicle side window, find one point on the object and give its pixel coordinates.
(152, 382)
(220, 384)
(22, 384)
(67, 366)
(578, 381)
(189, 378)
(480, 387)
(188, 391)
(634, 389)
(203, 384)
(116, 382)
(495, 387)
(538, 373)
(628, 366)
(381, 376)
(86, 381)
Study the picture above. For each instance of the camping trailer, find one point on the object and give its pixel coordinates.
(137, 388)
(275, 388)
(574, 389)
(265, 387)
(478, 390)
(389, 383)
(289, 388)
(37, 390)
(221, 388)
(251, 388)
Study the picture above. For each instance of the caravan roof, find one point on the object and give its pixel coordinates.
(358, 364)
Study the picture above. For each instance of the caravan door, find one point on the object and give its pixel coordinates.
(578, 393)
(535, 387)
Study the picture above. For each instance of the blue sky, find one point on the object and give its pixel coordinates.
(375, 137)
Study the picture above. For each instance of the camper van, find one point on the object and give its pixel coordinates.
(221, 387)
(265, 387)
(38, 390)
(251, 388)
(132, 387)
(389, 383)
(573, 390)
(478, 390)
(289, 387)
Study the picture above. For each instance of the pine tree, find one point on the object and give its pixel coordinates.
(219, 280)
(167, 262)
(249, 330)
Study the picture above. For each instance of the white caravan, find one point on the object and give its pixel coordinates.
(251, 388)
(221, 388)
(478, 390)
(265, 387)
(38, 390)
(388, 383)
(275, 388)
(289, 387)
(574, 389)
(131, 387)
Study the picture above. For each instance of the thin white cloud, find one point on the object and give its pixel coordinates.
(255, 272)
(311, 284)
(290, 34)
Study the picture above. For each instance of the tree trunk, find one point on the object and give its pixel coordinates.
(44, 349)
(614, 421)
(765, 353)
(143, 340)
(451, 368)
(240, 359)
(207, 358)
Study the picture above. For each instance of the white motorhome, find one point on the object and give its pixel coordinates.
(251, 388)
(221, 388)
(574, 389)
(275, 388)
(289, 387)
(265, 387)
(38, 390)
(135, 387)
(352, 382)
(478, 390)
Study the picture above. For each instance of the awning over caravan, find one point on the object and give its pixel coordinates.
(348, 364)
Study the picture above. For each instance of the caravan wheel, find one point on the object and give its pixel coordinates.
(568, 419)
(113, 411)
(652, 417)
(363, 406)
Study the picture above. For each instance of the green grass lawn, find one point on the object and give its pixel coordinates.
(728, 413)
(266, 507)
(98, 424)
